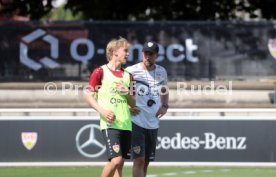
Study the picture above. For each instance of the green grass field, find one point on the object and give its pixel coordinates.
(153, 172)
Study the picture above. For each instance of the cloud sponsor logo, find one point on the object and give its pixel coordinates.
(210, 141)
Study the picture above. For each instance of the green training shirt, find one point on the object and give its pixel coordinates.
(111, 100)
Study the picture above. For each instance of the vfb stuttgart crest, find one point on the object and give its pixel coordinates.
(116, 148)
(137, 149)
(272, 47)
(29, 139)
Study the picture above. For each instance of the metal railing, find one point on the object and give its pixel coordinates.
(185, 113)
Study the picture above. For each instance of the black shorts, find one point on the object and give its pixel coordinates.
(143, 142)
(118, 143)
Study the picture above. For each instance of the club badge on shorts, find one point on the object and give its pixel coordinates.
(29, 139)
(116, 148)
(272, 47)
(137, 149)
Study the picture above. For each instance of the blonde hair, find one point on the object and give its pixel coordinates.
(115, 44)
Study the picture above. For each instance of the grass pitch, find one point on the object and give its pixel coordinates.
(153, 172)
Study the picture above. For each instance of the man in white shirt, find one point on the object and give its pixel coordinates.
(151, 104)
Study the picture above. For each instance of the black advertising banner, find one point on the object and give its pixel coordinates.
(217, 141)
(35, 51)
(54, 141)
(197, 140)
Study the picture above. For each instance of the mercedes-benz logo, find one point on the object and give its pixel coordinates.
(92, 142)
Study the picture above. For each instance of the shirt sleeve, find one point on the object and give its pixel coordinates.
(95, 80)
(165, 77)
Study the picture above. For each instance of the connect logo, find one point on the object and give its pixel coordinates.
(44, 61)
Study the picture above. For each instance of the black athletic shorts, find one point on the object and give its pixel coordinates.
(118, 143)
(143, 142)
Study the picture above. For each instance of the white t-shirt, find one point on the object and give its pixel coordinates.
(147, 86)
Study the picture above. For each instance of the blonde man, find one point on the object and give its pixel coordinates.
(109, 95)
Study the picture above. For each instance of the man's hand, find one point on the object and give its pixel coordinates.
(161, 112)
(108, 115)
(121, 88)
(134, 111)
